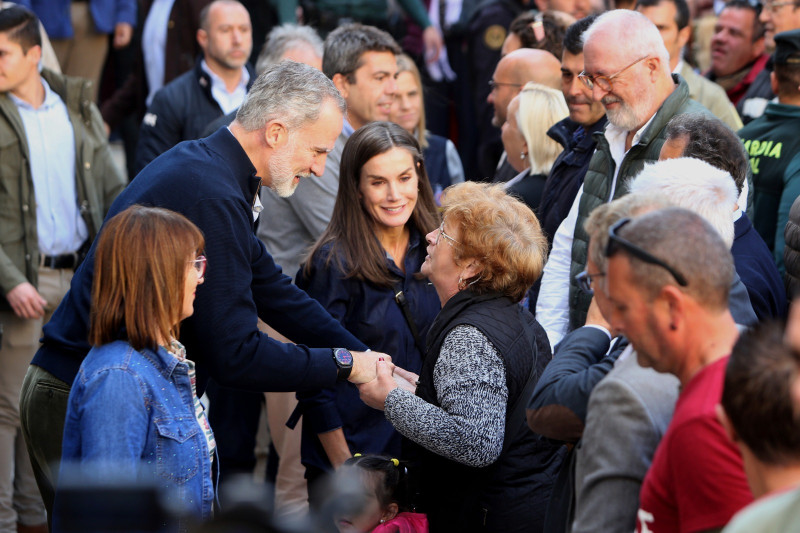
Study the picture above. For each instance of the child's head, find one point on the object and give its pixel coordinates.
(385, 484)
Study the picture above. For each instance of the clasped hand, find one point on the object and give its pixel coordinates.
(388, 377)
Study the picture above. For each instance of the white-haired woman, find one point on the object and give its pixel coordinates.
(528, 148)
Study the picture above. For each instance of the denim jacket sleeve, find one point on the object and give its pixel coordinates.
(109, 410)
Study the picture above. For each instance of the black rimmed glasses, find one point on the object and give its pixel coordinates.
(451, 241)
(584, 281)
(200, 264)
(493, 85)
(604, 82)
(615, 242)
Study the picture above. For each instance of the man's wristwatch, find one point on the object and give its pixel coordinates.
(344, 363)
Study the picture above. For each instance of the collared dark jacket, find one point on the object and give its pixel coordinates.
(181, 51)
(98, 180)
(213, 183)
(180, 111)
(372, 315)
(566, 176)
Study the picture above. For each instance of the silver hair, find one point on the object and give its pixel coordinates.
(284, 38)
(289, 91)
(695, 185)
(630, 34)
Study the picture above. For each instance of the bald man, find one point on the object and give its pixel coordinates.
(513, 71)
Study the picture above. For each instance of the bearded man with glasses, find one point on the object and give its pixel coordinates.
(626, 67)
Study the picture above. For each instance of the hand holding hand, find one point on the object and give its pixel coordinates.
(375, 392)
(364, 366)
(26, 301)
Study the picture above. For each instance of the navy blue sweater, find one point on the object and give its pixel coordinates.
(213, 183)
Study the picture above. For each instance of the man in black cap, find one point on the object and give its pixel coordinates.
(773, 145)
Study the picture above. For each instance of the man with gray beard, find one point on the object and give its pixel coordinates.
(626, 66)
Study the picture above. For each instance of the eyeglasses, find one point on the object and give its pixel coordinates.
(451, 241)
(604, 82)
(200, 265)
(493, 85)
(615, 242)
(584, 281)
(773, 6)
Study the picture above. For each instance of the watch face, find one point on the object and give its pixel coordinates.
(344, 357)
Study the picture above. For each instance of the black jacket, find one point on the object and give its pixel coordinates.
(180, 111)
(566, 176)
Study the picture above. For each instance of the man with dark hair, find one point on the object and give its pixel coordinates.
(708, 139)
(737, 52)
(575, 133)
(671, 17)
(182, 109)
(669, 296)
(294, 113)
(57, 181)
(774, 147)
(760, 410)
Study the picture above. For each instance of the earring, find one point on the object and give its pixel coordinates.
(523, 155)
(461, 284)
(383, 520)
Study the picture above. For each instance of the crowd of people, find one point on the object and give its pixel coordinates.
(499, 266)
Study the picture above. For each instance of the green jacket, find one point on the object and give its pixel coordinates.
(597, 183)
(98, 180)
(773, 144)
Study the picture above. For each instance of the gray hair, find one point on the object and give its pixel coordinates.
(695, 185)
(604, 216)
(346, 44)
(690, 245)
(289, 91)
(708, 138)
(284, 38)
(630, 34)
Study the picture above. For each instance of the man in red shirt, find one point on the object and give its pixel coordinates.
(668, 289)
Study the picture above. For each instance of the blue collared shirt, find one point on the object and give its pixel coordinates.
(228, 101)
(154, 45)
(51, 149)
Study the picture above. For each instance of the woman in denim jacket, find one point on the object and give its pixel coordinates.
(133, 412)
(372, 248)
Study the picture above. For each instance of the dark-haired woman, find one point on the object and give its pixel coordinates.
(133, 412)
(371, 251)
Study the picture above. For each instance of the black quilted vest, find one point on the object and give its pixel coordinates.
(512, 493)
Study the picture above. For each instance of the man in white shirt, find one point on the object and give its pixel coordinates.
(183, 108)
(627, 67)
(57, 181)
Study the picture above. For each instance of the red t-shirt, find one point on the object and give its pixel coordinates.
(697, 480)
